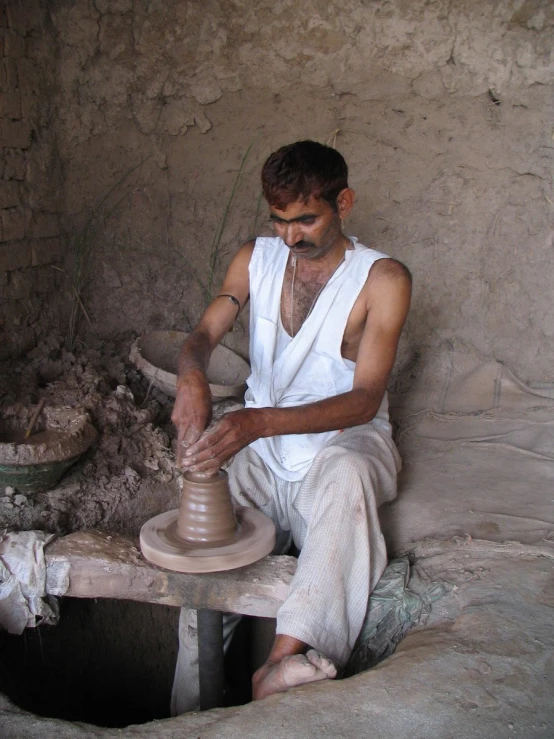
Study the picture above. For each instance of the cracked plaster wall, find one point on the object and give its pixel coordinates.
(442, 109)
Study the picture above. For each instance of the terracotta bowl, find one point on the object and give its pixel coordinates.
(156, 354)
(33, 465)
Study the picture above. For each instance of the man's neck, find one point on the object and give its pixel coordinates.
(317, 269)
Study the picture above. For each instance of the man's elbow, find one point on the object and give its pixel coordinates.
(368, 402)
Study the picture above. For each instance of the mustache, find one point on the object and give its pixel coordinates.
(301, 245)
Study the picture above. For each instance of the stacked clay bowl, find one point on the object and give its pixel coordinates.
(35, 464)
(156, 355)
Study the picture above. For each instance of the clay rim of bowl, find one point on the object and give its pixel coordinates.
(167, 381)
(74, 435)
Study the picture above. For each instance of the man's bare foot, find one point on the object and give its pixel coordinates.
(291, 671)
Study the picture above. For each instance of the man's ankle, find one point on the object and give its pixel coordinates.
(285, 646)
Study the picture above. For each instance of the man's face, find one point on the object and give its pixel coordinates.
(310, 229)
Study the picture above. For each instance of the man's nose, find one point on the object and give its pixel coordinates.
(293, 234)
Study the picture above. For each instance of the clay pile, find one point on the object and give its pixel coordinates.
(127, 475)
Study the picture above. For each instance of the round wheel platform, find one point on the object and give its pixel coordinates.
(160, 545)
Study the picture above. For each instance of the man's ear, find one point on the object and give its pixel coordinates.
(345, 201)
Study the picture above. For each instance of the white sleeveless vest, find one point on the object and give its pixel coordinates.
(311, 367)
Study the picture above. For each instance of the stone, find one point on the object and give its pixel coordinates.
(13, 224)
(8, 75)
(10, 105)
(110, 276)
(15, 164)
(44, 225)
(15, 134)
(46, 251)
(14, 45)
(45, 279)
(21, 285)
(15, 255)
(9, 194)
(114, 6)
(24, 16)
(29, 76)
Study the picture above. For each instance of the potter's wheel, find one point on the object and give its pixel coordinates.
(207, 533)
(160, 544)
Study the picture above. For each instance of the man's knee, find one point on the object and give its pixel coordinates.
(338, 462)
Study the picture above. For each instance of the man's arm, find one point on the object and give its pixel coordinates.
(387, 293)
(193, 403)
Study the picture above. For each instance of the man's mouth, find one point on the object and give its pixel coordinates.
(302, 246)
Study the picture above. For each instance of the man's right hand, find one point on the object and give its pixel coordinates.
(192, 410)
(193, 404)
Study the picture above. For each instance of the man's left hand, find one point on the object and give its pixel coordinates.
(228, 436)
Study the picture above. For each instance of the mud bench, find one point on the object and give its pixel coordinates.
(98, 565)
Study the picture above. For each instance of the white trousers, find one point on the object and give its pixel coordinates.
(331, 515)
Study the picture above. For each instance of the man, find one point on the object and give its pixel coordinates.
(312, 448)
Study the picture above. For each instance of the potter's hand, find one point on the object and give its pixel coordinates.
(228, 436)
(192, 410)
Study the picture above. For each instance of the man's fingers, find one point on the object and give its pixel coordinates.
(212, 457)
(190, 436)
(205, 441)
(205, 458)
(217, 445)
(186, 437)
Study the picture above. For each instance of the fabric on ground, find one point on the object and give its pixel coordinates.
(478, 459)
(23, 598)
(393, 609)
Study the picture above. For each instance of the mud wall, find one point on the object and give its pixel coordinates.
(443, 111)
(31, 191)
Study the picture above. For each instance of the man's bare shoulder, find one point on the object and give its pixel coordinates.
(241, 260)
(388, 279)
(388, 270)
(248, 247)
(236, 279)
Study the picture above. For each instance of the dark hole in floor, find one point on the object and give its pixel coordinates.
(110, 663)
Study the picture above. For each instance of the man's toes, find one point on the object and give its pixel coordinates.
(322, 662)
(297, 667)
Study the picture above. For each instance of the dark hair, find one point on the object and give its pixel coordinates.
(302, 170)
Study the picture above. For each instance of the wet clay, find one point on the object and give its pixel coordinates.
(207, 533)
(62, 433)
(41, 437)
(206, 514)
